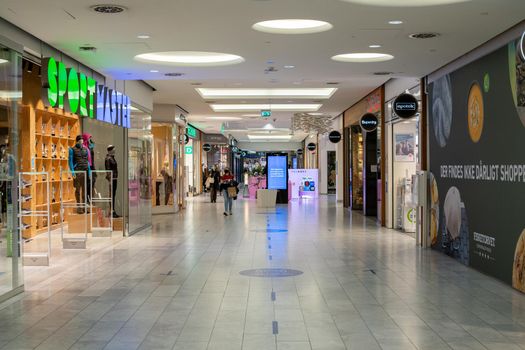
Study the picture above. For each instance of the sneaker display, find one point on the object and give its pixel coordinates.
(26, 198)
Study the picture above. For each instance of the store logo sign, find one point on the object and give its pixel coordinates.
(67, 89)
(369, 122)
(406, 106)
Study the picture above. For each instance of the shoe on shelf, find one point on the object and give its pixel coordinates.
(26, 198)
(26, 184)
(26, 227)
(225, 214)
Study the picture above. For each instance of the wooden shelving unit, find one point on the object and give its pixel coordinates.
(46, 136)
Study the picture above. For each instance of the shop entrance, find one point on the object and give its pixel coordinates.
(403, 141)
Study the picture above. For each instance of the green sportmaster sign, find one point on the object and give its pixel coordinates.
(74, 92)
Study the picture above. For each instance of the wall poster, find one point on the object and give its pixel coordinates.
(405, 146)
(477, 138)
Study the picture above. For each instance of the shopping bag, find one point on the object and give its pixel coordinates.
(232, 192)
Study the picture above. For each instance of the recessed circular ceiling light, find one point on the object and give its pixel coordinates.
(108, 9)
(375, 46)
(289, 67)
(363, 57)
(190, 58)
(407, 3)
(395, 22)
(292, 26)
(153, 71)
(143, 36)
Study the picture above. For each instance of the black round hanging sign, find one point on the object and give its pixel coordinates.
(206, 147)
(299, 152)
(369, 122)
(405, 106)
(334, 136)
(311, 146)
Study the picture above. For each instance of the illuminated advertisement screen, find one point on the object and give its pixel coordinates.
(277, 169)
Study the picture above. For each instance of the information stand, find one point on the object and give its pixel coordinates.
(28, 216)
(102, 204)
(76, 213)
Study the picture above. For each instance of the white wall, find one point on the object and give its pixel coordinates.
(324, 146)
(340, 156)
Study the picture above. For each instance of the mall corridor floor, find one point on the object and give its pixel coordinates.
(179, 286)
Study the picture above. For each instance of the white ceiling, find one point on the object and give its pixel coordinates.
(225, 26)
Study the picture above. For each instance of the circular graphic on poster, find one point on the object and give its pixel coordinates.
(442, 109)
(518, 268)
(476, 112)
(434, 210)
(455, 234)
(517, 75)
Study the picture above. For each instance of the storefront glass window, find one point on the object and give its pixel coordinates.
(10, 97)
(139, 173)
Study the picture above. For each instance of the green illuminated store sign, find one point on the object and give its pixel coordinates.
(188, 149)
(74, 92)
(191, 131)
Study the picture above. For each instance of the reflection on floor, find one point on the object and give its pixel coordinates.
(178, 286)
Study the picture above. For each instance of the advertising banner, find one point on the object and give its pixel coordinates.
(303, 183)
(477, 138)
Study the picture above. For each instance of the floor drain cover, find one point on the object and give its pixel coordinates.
(271, 273)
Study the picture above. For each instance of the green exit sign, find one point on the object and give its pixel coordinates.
(266, 113)
(188, 149)
(191, 131)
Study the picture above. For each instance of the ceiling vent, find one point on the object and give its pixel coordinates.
(383, 73)
(423, 35)
(108, 9)
(196, 84)
(174, 74)
(87, 48)
(332, 83)
(270, 69)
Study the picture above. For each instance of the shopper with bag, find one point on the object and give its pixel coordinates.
(212, 183)
(229, 191)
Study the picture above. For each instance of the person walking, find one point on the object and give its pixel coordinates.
(214, 182)
(226, 183)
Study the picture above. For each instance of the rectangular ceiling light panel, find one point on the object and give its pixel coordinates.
(269, 137)
(299, 93)
(305, 107)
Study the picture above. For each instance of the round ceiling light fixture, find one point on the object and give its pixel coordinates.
(108, 8)
(374, 46)
(405, 3)
(190, 58)
(143, 36)
(363, 57)
(292, 26)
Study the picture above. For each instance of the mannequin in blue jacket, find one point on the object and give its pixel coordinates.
(79, 166)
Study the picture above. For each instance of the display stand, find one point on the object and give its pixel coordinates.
(75, 213)
(26, 180)
(102, 203)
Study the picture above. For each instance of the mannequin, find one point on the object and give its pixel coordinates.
(111, 164)
(79, 161)
(88, 142)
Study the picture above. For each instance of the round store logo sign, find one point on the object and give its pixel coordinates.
(369, 122)
(522, 46)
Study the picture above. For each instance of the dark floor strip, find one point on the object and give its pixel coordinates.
(275, 327)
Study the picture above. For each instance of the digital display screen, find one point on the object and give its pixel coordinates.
(277, 169)
(294, 163)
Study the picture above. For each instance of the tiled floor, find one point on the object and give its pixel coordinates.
(178, 286)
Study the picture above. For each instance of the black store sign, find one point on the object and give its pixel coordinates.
(311, 146)
(206, 147)
(369, 122)
(405, 106)
(334, 136)
(299, 152)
